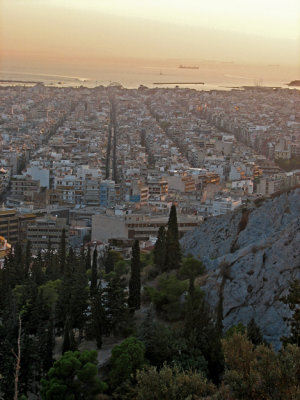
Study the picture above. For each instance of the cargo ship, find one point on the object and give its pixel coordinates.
(188, 66)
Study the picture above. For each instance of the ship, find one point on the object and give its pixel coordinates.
(188, 66)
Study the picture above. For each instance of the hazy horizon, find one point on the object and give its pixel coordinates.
(45, 35)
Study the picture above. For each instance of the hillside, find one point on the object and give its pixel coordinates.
(251, 256)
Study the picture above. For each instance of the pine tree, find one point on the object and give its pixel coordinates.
(173, 253)
(160, 249)
(134, 298)
(94, 277)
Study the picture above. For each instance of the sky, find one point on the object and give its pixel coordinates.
(45, 32)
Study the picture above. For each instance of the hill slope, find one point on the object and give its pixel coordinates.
(251, 256)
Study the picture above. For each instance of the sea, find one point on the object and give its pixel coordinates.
(211, 75)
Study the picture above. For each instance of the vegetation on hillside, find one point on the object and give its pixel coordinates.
(169, 344)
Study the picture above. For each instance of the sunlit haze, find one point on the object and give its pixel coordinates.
(41, 33)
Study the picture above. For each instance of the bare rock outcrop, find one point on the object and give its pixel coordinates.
(254, 252)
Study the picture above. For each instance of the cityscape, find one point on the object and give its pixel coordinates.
(107, 163)
(149, 200)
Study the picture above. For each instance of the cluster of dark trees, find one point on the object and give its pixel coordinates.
(52, 302)
(58, 295)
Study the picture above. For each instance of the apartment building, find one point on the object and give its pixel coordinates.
(45, 230)
(9, 225)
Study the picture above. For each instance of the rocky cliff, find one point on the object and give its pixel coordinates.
(251, 256)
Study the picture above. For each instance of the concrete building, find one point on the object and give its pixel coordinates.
(44, 230)
(141, 227)
(9, 225)
(107, 194)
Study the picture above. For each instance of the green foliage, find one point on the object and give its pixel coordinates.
(167, 297)
(74, 377)
(94, 277)
(50, 292)
(164, 345)
(293, 301)
(134, 297)
(146, 259)
(190, 269)
(62, 252)
(254, 333)
(115, 304)
(109, 263)
(235, 329)
(126, 358)
(173, 252)
(201, 331)
(171, 383)
(122, 267)
(159, 252)
(258, 373)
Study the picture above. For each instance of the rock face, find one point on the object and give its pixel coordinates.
(251, 256)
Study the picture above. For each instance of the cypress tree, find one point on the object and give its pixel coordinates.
(134, 298)
(93, 286)
(115, 305)
(19, 264)
(173, 253)
(79, 299)
(62, 252)
(160, 249)
(98, 318)
(88, 258)
(67, 342)
(109, 264)
(65, 293)
(27, 258)
(37, 272)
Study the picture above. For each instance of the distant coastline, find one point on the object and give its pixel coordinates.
(294, 83)
(18, 81)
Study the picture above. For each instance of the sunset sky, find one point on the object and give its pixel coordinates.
(40, 32)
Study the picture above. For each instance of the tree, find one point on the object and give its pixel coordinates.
(27, 258)
(191, 268)
(109, 264)
(93, 287)
(172, 383)
(134, 298)
(201, 331)
(293, 301)
(88, 258)
(160, 249)
(173, 252)
(258, 372)
(98, 318)
(167, 297)
(73, 376)
(126, 358)
(62, 252)
(115, 305)
(254, 333)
